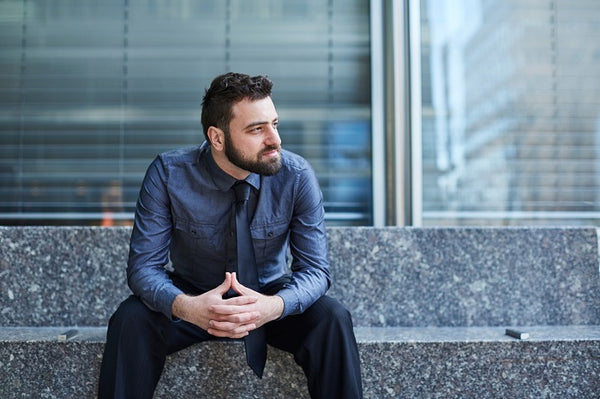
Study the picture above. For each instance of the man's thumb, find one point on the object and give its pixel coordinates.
(237, 286)
(225, 285)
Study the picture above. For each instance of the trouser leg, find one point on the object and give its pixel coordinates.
(323, 343)
(137, 344)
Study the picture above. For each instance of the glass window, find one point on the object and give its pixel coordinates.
(510, 112)
(91, 91)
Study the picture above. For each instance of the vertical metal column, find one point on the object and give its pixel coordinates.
(378, 128)
(413, 45)
(396, 112)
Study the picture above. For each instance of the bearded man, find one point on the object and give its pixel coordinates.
(229, 242)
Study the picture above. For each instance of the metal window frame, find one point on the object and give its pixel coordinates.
(378, 161)
(415, 110)
(396, 112)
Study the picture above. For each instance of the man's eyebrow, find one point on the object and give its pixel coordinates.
(260, 123)
(255, 124)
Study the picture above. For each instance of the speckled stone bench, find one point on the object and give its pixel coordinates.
(430, 307)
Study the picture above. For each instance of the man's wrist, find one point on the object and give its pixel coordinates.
(278, 306)
(179, 306)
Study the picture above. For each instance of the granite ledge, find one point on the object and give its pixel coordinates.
(476, 334)
(363, 334)
(49, 334)
(397, 362)
(444, 277)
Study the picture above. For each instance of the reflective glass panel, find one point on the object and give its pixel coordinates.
(510, 112)
(91, 91)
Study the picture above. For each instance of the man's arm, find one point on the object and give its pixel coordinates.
(150, 240)
(308, 243)
(147, 278)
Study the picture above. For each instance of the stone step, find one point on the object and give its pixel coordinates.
(420, 300)
(397, 362)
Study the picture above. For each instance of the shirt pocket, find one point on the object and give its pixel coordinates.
(270, 241)
(195, 237)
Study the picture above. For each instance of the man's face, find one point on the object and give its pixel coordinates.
(253, 143)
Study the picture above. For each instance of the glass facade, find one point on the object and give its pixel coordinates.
(510, 112)
(91, 91)
(508, 103)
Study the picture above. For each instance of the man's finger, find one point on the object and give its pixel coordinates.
(234, 328)
(229, 330)
(227, 310)
(237, 304)
(241, 300)
(225, 285)
(236, 316)
(238, 287)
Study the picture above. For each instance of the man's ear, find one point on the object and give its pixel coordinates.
(216, 137)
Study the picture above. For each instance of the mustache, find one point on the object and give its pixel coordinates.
(271, 148)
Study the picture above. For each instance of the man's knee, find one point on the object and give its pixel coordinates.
(132, 315)
(333, 312)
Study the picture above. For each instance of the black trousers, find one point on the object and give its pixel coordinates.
(321, 340)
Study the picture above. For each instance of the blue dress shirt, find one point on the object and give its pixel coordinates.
(185, 217)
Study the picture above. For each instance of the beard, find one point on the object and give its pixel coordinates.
(268, 167)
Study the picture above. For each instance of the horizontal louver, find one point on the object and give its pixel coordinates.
(91, 91)
(511, 118)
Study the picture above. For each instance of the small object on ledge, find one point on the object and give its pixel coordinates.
(516, 334)
(67, 335)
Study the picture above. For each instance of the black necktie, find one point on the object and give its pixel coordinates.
(256, 341)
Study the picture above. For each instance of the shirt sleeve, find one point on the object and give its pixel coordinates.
(308, 243)
(150, 241)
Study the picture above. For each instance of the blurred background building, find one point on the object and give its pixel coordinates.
(512, 111)
(431, 112)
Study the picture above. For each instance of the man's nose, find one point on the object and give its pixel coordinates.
(272, 136)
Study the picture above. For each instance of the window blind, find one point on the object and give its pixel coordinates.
(512, 122)
(91, 91)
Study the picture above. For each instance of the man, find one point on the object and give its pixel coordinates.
(228, 280)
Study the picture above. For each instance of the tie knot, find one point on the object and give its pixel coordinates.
(242, 191)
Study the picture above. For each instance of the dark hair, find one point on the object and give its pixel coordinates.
(226, 90)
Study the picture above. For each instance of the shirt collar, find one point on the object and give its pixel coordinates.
(224, 181)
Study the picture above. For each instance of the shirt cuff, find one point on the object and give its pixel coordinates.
(165, 298)
(291, 303)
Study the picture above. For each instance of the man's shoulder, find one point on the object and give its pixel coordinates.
(294, 162)
(178, 156)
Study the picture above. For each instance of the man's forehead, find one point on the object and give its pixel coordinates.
(254, 111)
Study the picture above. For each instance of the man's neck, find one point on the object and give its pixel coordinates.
(226, 166)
